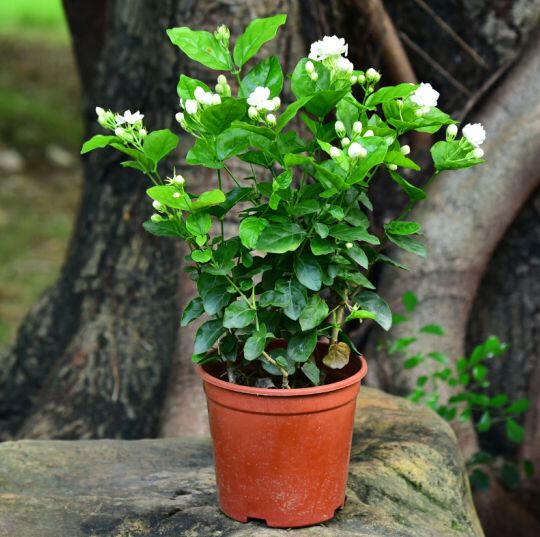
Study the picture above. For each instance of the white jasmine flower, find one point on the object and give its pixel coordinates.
(373, 75)
(340, 128)
(356, 151)
(353, 79)
(158, 206)
(368, 133)
(344, 65)
(309, 67)
(451, 131)
(179, 117)
(348, 245)
(271, 119)
(216, 99)
(335, 152)
(327, 47)
(405, 149)
(191, 106)
(253, 113)
(269, 105)
(357, 127)
(392, 167)
(259, 97)
(314, 76)
(129, 117)
(478, 152)
(345, 142)
(277, 102)
(474, 133)
(425, 96)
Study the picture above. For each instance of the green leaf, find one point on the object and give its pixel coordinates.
(371, 301)
(312, 372)
(158, 144)
(238, 315)
(376, 147)
(217, 118)
(399, 159)
(169, 196)
(439, 357)
(207, 335)
(250, 230)
(399, 227)
(203, 152)
(258, 32)
(321, 247)
(213, 293)
(165, 228)
(521, 405)
(280, 238)
(200, 46)
(409, 300)
(301, 83)
(408, 244)
(479, 480)
(321, 229)
(192, 311)
(187, 86)
(98, 141)
(484, 423)
(234, 140)
(434, 329)
(413, 361)
(199, 223)
(267, 74)
(308, 271)
(480, 372)
(414, 193)
(514, 431)
(314, 313)
(301, 346)
(347, 233)
(282, 181)
(389, 93)
(290, 112)
(291, 296)
(255, 344)
(201, 256)
(499, 400)
(208, 199)
(360, 314)
(452, 155)
(358, 256)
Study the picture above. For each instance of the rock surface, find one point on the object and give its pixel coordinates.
(406, 480)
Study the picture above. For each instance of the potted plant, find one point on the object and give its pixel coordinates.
(280, 374)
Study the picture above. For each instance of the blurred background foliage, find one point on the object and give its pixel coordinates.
(40, 133)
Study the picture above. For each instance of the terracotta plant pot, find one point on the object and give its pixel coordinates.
(283, 455)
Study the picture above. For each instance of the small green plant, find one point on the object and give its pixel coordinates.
(298, 268)
(467, 378)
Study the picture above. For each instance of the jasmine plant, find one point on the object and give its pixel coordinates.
(298, 268)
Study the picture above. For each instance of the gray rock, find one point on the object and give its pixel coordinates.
(407, 479)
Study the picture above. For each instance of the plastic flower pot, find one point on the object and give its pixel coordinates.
(280, 455)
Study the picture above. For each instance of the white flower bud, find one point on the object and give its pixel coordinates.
(222, 80)
(344, 65)
(419, 113)
(191, 106)
(216, 99)
(143, 133)
(356, 151)
(253, 113)
(357, 127)
(335, 152)
(361, 79)
(156, 218)
(277, 102)
(309, 67)
(158, 206)
(451, 131)
(179, 117)
(120, 132)
(176, 195)
(399, 102)
(478, 152)
(199, 94)
(405, 149)
(345, 142)
(223, 32)
(372, 75)
(368, 133)
(340, 128)
(353, 79)
(392, 167)
(220, 90)
(348, 245)
(314, 76)
(100, 112)
(271, 119)
(179, 180)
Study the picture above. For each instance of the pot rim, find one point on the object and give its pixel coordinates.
(283, 392)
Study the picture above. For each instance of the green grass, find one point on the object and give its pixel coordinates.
(33, 19)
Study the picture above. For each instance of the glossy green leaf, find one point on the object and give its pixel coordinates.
(308, 271)
(399, 227)
(371, 301)
(208, 199)
(255, 344)
(98, 141)
(207, 335)
(158, 144)
(514, 431)
(215, 119)
(347, 233)
(312, 372)
(199, 223)
(213, 292)
(250, 230)
(314, 313)
(238, 315)
(280, 238)
(266, 74)
(192, 311)
(301, 346)
(408, 244)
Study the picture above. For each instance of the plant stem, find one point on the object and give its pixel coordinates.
(270, 360)
(221, 219)
(340, 316)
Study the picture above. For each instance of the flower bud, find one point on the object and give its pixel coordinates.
(120, 132)
(478, 152)
(156, 218)
(372, 75)
(335, 152)
(361, 79)
(405, 149)
(222, 80)
(451, 132)
(220, 90)
(399, 102)
(353, 79)
(216, 99)
(253, 113)
(357, 127)
(179, 180)
(223, 33)
(309, 67)
(191, 106)
(158, 206)
(176, 195)
(271, 119)
(143, 133)
(356, 151)
(345, 142)
(368, 133)
(340, 128)
(348, 245)
(277, 102)
(314, 76)
(100, 112)
(392, 167)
